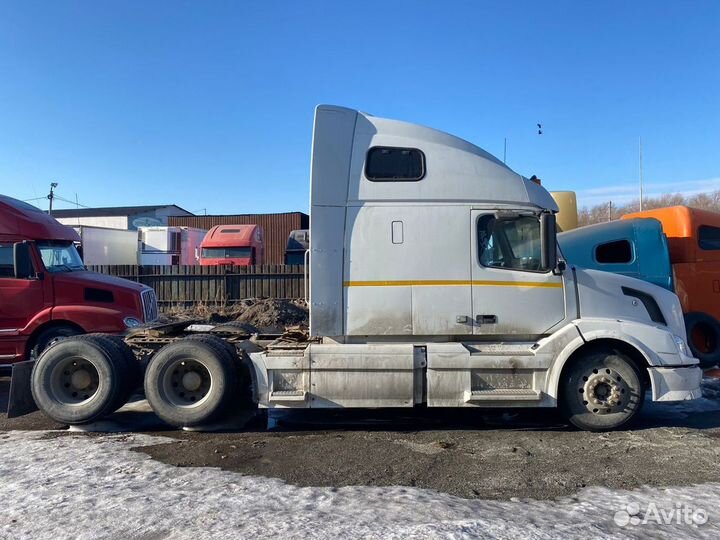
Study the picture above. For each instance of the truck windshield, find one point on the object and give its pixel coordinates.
(227, 253)
(60, 256)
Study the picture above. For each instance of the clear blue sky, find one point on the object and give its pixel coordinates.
(209, 104)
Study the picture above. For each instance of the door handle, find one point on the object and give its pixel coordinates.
(486, 319)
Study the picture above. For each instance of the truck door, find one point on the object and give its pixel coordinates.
(20, 300)
(512, 296)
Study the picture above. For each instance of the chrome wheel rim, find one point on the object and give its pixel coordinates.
(603, 391)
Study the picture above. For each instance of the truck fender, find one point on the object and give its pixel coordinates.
(587, 332)
(100, 319)
(617, 331)
(656, 345)
(41, 318)
(560, 347)
(259, 374)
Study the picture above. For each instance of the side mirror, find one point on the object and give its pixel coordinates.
(22, 261)
(548, 231)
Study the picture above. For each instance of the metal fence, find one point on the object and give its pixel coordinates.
(186, 285)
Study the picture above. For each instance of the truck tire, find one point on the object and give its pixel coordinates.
(244, 396)
(51, 335)
(78, 380)
(129, 374)
(703, 335)
(218, 343)
(190, 382)
(602, 390)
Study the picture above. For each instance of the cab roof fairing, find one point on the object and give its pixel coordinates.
(21, 221)
(456, 170)
(230, 236)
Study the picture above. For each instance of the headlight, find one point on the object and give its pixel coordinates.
(131, 322)
(682, 347)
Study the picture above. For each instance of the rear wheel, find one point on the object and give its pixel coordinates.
(602, 390)
(190, 382)
(703, 333)
(78, 380)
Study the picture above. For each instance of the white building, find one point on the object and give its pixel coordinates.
(120, 217)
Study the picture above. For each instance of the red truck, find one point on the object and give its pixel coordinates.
(46, 292)
(238, 245)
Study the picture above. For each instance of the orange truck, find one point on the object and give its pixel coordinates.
(693, 237)
(233, 245)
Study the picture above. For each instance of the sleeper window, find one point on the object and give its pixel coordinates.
(388, 164)
(617, 252)
(709, 237)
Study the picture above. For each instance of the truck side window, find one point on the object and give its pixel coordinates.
(388, 164)
(617, 252)
(7, 269)
(512, 243)
(709, 237)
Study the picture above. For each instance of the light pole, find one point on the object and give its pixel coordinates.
(51, 196)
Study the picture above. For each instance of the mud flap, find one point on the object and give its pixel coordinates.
(20, 401)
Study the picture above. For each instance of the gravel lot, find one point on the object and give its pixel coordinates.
(473, 454)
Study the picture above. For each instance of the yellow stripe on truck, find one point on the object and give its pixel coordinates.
(449, 282)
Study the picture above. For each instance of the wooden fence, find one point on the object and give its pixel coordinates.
(214, 284)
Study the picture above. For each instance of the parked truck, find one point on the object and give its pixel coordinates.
(677, 248)
(434, 282)
(297, 246)
(169, 245)
(45, 291)
(104, 246)
(233, 245)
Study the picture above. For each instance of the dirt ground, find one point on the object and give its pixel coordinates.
(263, 315)
(472, 454)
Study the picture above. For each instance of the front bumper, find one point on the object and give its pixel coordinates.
(675, 383)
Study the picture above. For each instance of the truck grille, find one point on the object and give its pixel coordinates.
(150, 305)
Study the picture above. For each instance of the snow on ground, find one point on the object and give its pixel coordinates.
(90, 487)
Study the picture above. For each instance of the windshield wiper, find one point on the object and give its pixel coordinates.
(65, 266)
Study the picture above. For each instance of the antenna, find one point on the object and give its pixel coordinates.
(505, 151)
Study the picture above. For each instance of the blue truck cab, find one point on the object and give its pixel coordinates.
(634, 247)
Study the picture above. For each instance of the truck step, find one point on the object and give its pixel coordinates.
(288, 395)
(503, 394)
(523, 348)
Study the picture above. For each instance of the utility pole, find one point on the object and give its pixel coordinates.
(609, 210)
(641, 178)
(51, 196)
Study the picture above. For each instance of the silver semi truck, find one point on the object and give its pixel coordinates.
(435, 280)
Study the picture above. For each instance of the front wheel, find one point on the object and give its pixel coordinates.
(50, 336)
(79, 380)
(602, 390)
